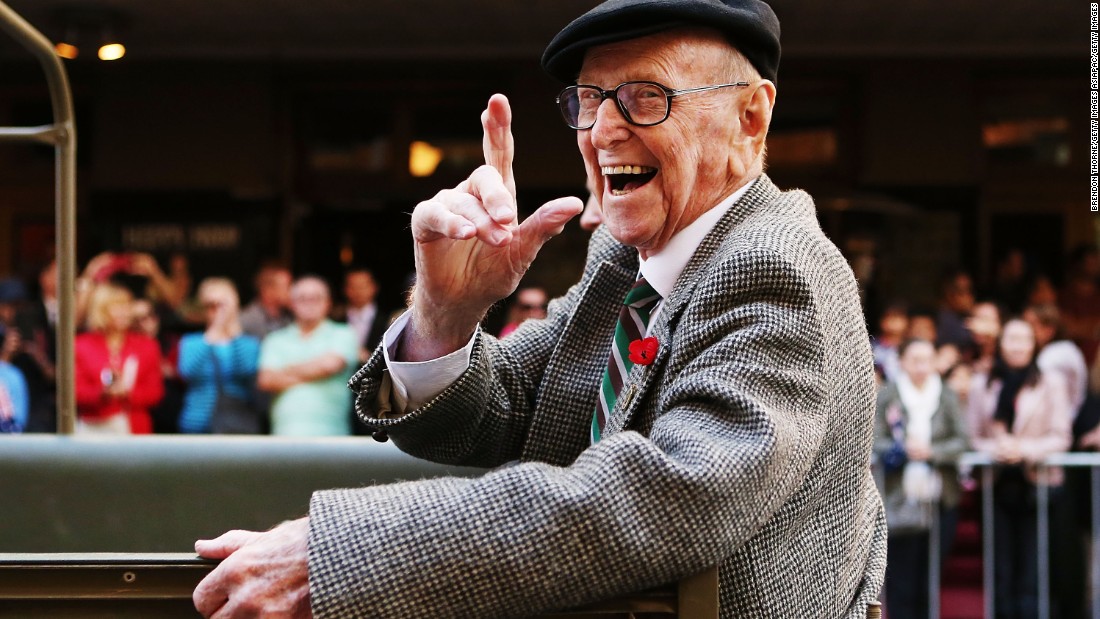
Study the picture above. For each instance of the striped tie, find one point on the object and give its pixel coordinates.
(633, 320)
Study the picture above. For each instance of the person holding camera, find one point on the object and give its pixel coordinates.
(117, 371)
(136, 271)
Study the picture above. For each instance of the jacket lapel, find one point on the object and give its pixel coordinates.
(642, 378)
(561, 423)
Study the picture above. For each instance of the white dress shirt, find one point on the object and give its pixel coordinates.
(414, 384)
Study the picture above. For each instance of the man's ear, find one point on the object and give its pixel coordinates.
(756, 116)
(753, 119)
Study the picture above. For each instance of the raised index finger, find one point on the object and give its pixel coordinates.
(497, 144)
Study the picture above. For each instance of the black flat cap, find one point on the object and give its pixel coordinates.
(750, 25)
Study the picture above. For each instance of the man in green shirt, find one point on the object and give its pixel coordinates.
(306, 366)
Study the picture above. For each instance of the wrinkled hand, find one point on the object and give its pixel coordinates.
(261, 575)
(471, 250)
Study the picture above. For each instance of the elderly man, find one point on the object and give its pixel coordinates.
(730, 425)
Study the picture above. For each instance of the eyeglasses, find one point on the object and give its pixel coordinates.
(642, 103)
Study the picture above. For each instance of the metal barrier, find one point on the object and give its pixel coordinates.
(62, 135)
(1065, 460)
(988, 467)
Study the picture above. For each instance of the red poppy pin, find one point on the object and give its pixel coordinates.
(643, 351)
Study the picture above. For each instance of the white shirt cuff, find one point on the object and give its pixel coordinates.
(415, 383)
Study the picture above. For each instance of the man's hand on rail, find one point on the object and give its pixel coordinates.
(261, 574)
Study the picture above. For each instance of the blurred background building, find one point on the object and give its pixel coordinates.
(932, 134)
(937, 137)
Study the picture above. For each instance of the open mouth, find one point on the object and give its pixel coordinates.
(623, 179)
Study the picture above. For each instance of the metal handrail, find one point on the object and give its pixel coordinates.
(1070, 459)
(62, 134)
(161, 584)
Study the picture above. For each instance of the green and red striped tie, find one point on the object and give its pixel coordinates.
(633, 321)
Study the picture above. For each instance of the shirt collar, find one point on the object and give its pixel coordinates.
(361, 312)
(664, 267)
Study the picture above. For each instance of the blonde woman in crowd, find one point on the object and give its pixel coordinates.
(220, 366)
(118, 374)
(1019, 415)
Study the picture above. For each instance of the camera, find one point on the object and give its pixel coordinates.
(119, 263)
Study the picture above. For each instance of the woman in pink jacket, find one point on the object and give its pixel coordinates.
(1019, 416)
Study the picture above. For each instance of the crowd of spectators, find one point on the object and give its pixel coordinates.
(153, 354)
(1006, 374)
(1012, 373)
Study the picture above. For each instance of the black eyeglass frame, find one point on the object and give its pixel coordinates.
(614, 93)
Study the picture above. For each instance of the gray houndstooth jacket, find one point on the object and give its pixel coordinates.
(746, 444)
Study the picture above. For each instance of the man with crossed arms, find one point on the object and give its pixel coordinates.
(739, 437)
